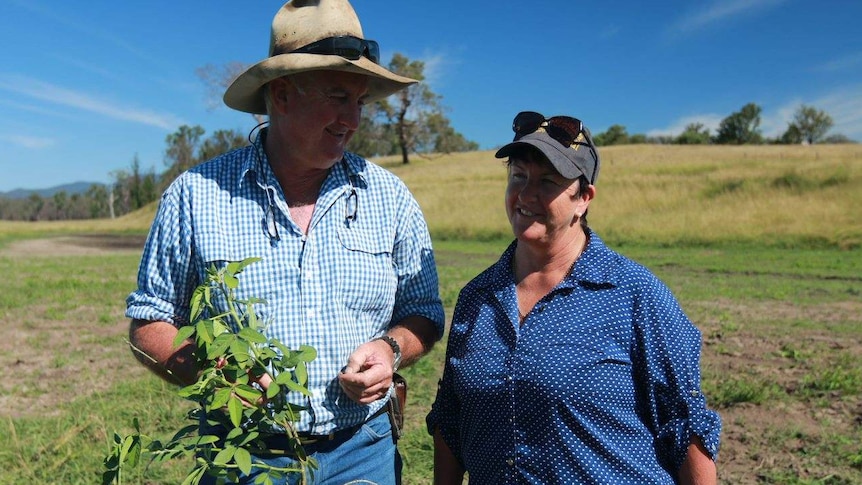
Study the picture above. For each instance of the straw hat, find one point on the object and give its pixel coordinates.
(297, 24)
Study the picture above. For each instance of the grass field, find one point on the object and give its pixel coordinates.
(760, 244)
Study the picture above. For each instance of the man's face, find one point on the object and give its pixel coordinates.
(319, 112)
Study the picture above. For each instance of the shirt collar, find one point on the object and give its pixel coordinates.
(257, 168)
(596, 266)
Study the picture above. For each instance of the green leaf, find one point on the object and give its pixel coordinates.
(234, 407)
(182, 334)
(194, 476)
(301, 373)
(240, 351)
(284, 378)
(252, 335)
(220, 398)
(225, 455)
(293, 386)
(185, 431)
(247, 261)
(218, 347)
(219, 328)
(207, 439)
(204, 331)
(307, 353)
(197, 302)
(234, 433)
(243, 460)
(231, 281)
(248, 393)
(273, 390)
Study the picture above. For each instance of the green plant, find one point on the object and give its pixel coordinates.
(236, 358)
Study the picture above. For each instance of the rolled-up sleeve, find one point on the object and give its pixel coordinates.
(418, 287)
(165, 276)
(669, 353)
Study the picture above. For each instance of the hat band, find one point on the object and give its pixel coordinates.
(346, 46)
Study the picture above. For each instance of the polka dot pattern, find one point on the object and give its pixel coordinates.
(601, 383)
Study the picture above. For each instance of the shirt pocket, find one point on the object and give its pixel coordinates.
(367, 279)
(595, 367)
(217, 249)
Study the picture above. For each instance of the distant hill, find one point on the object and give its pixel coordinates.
(73, 188)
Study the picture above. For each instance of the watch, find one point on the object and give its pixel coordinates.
(396, 349)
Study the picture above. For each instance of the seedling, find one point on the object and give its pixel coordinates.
(234, 356)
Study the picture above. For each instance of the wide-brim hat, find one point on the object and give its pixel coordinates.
(297, 24)
(581, 158)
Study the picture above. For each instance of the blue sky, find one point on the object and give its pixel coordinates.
(86, 86)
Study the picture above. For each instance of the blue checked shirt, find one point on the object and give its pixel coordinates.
(600, 385)
(365, 264)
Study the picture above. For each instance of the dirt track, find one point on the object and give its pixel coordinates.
(74, 246)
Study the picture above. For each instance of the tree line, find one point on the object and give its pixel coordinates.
(809, 125)
(410, 122)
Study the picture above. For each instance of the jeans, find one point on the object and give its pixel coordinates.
(368, 457)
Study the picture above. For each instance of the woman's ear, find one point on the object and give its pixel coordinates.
(586, 196)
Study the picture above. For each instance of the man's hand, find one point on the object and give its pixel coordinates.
(368, 373)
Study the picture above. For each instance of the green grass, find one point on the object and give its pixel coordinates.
(760, 245)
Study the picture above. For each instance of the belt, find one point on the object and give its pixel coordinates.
(308, 439)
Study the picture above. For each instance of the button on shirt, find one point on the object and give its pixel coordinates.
(365, 263)
(601, 383)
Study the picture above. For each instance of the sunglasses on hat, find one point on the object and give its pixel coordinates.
(564, 129)
(345, 46)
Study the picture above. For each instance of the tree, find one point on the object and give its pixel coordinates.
(182, 145)
(445, 138)
(740, 127)
(221, 141)
(97, 195)
(810, 124)
(792, 136)
(694, 134)
(412, 105)
(411, 120)
(838, 138)
(375, 136)
(35, 204)
(186, 148)
(616, 135)
(218, 78)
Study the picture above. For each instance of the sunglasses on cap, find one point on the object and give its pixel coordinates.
(564, 129)
(345, 46)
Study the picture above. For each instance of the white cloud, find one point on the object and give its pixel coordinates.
(58, 95)
(69, 20)
(709, 121)
(721, 11)
(844, 105)
(435, 69)
(841, 63)
(609, 32)
(27, 141)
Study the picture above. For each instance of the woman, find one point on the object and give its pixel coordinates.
(567, 362)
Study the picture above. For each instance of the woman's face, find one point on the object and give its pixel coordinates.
(542, 205)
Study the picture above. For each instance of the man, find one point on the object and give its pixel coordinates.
(346, 267)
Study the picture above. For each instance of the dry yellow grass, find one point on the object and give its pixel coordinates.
(656, 194)
(667, 194)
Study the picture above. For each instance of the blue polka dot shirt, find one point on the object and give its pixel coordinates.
(601, 383)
